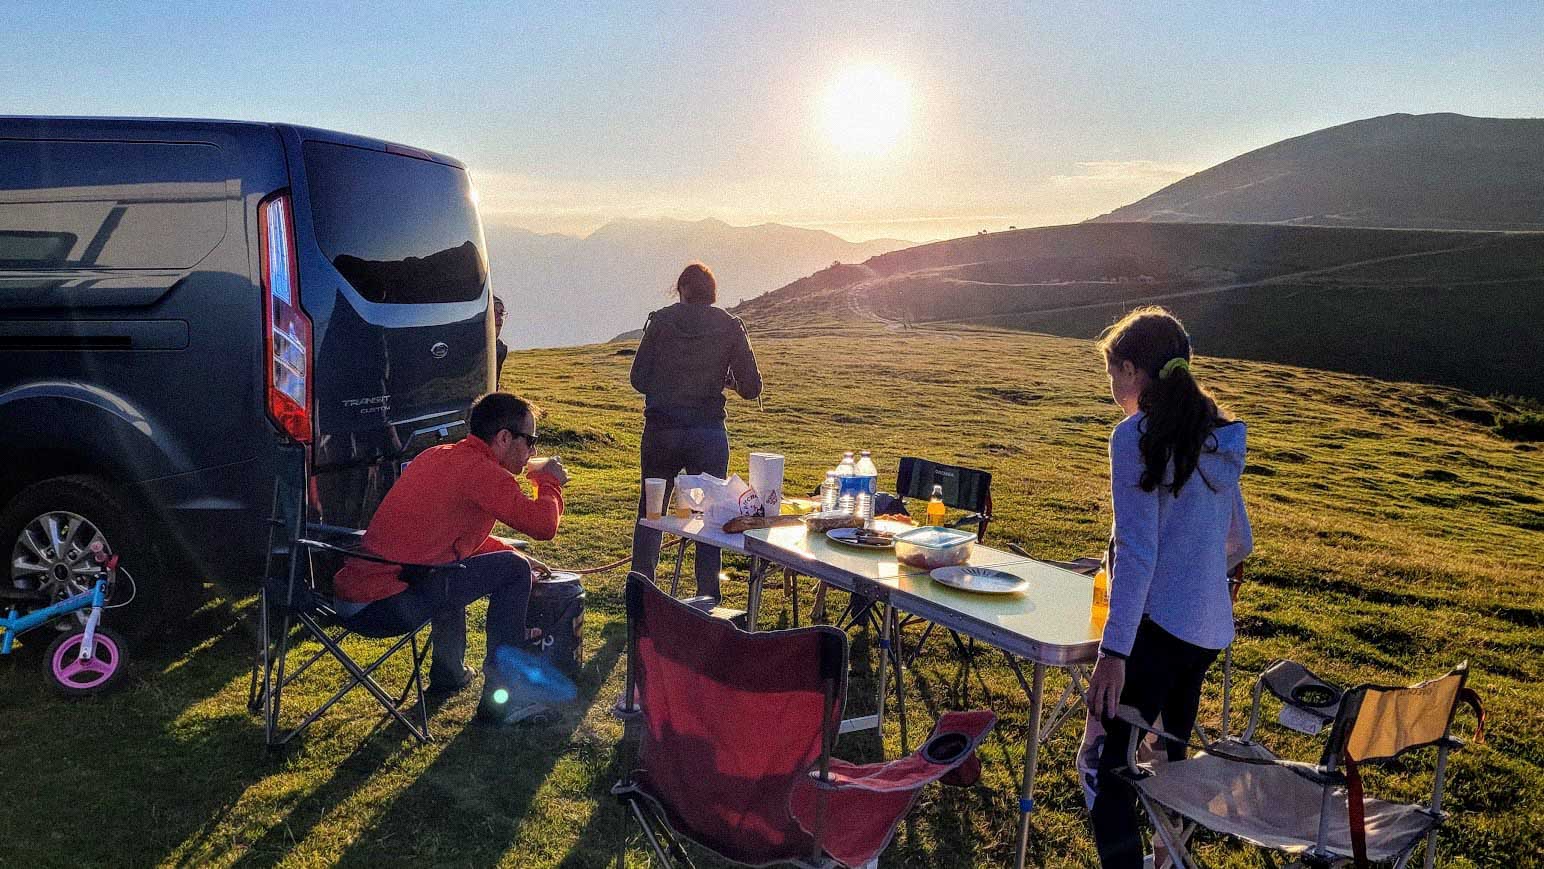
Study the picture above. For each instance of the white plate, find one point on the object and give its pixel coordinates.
(984, 580)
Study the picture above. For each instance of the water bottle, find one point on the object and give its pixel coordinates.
(829, 490)
(847, 480)
(868, 487)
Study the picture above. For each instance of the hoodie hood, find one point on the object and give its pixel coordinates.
(1226, 465)
(694, 321)
(1222, 455)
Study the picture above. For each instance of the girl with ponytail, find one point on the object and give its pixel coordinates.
(1179, 530)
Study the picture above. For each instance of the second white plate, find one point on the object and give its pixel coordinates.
(983, 580)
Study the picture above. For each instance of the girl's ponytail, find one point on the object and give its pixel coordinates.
(1179, 414)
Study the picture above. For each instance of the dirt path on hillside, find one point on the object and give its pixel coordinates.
(1221, 288)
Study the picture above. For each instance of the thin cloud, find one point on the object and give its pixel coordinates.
(1125, 173)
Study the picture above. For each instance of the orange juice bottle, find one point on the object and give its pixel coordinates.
(935, 506)
(1100, 611)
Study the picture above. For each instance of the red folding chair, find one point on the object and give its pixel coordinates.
(734, 733)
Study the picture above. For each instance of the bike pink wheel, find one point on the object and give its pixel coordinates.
(74, 676)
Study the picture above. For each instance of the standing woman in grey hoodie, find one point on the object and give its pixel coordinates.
(690, 353)
(1179, 530)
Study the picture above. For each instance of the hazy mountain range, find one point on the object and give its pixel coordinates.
(562, 290)
(1438, 171)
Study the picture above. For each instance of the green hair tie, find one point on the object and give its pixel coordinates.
(1172, 365)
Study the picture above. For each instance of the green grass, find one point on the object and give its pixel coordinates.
(1393, 541)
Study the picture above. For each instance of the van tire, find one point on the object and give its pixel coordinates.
(127, 531)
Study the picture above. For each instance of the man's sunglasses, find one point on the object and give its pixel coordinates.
(530, 439)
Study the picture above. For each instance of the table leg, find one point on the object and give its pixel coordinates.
(680, 556)
(884, 655)
(791, 582)
(753, 595)
(897, 640)
(1031, 759)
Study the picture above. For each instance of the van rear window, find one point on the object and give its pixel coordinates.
(399, 229)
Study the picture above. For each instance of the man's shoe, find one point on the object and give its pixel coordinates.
(502, 706)
(512, 711)
(438, 689)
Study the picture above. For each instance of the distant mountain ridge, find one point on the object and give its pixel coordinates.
(1433, 171)
(563, 290)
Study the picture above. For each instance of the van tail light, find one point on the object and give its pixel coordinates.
(287, 330)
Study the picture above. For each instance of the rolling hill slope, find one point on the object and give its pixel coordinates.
(1458, 308)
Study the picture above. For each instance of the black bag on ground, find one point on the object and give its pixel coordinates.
(557, 608)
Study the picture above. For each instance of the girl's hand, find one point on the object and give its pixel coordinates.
(1105, 685)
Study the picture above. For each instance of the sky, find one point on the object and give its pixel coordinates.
(908, 120)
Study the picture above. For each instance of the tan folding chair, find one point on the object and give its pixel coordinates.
(1316, 813)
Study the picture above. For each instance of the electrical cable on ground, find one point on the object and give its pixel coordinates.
(586, 571)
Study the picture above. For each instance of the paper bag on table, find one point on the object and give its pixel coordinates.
(718, 500)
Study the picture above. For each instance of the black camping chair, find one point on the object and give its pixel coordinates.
(299, 596)
(963, 489)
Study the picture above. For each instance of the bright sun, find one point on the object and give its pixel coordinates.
(867, 110)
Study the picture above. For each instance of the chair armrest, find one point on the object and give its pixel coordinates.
(969, 519)
(1086, 566)
(365, 556)
(1296, 685)
(1313, 772)
(514, 542)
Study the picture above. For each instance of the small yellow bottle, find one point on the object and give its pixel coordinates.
(935, 506)
(1100, 611)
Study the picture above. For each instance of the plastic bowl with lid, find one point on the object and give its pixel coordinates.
(934, 546)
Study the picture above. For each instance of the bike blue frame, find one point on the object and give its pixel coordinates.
(15, 625)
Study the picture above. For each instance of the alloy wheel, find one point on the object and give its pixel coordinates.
(53, 553)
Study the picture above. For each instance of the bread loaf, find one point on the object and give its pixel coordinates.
(741, 524)
(821, 522)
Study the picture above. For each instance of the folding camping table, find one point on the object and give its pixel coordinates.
(700, 533)
(694, 530)
(1047, 624)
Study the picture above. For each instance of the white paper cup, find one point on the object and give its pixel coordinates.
(653, 497)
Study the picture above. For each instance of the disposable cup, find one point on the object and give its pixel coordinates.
(653, 497)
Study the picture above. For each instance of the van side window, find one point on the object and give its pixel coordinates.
(109, 205)
(398, 229)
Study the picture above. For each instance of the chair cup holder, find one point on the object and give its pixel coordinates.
(945, 748)
(1316, 696)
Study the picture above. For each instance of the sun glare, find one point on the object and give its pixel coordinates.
(867, 110)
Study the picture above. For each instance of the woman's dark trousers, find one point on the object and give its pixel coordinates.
(666, 452)
(1163, 675)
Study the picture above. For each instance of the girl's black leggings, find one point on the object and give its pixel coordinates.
(1163, 675)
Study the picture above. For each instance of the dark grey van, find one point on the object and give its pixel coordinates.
(184, 301)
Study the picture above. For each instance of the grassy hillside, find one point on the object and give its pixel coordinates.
(1457, 308)
(1436, 171)
(1394, 540)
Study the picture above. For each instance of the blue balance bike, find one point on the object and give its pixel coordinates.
(83, 660)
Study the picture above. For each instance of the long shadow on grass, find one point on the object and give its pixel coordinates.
(955, 842)
(468, 805)
(120, 750)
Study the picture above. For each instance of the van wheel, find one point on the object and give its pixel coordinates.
(48, 529)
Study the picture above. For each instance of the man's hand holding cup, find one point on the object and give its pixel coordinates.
(547, 466)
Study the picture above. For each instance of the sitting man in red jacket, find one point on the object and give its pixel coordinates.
(442, 510)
